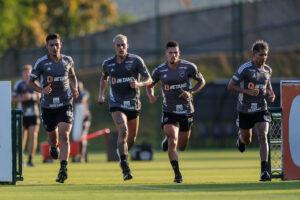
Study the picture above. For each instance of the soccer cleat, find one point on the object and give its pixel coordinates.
(54, 151)
(30, 164)
(178, 178)
(125, 170)
(62, 175)
(164, 144)
(241, 146)
(265, 176)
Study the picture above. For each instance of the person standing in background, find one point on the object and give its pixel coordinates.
(28, 102)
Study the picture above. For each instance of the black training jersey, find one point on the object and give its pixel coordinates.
(56, 74)
(30, 107)
(173, 81)
(250, 77)
(121, 94)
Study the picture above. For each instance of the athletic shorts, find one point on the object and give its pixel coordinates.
(129, 114)
(184, 122)
(30, 121)
(52, 117)
(247, 121)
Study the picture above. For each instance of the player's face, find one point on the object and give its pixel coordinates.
(121, 47)
(54, 47)
(260, 57)
(172, 54)
(26, 74)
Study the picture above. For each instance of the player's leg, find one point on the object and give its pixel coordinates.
(184, 137)
(245, 123)
(84, 143)
(32, 145)
(185, 124)
(64, 130)
(25, 135)
(262, 132)
(133, 127)
(120, 121)
(53, 142)
(171, 131)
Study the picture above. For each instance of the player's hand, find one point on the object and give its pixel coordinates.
(26, 96)
(75, 93)
(47, 90)
(271, 96)
(101, 99)
(153, 99)
(185, 94)
(133, 83)
(252, 92)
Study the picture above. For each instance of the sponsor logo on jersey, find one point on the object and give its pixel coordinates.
(112, 64)
(120, 80)
(129, 61)
(50, 79)
(175, 87)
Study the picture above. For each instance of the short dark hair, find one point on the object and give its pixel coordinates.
(52, 36)
(172, 43)
(260, 45)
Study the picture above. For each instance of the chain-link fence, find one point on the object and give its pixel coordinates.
(275, 143)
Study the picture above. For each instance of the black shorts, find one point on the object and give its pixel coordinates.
(30, 121)
(129, 114)
(247, 121)
(51, 117)
(184, 122)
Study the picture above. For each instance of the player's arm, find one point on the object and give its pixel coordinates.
(197, 87)
(150, 93)
(73, 82)
(137, 84)
(143, 70)
(270, 91)
(102, 87)
(32, 85)
(234, 87)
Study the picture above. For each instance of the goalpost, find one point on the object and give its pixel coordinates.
(10, 138)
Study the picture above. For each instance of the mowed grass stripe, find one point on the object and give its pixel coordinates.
(218, 174)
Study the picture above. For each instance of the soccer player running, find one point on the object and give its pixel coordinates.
(58, 87)
(28, 102)
(252, 81)
(177, 118)
(122, 72)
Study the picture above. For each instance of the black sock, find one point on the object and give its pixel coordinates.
(123, 157)
(175, 166)
(63, 163)
(264, 166)
(29, 159)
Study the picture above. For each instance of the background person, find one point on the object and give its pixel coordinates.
(28, 102)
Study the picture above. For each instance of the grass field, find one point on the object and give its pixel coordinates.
(222, 174)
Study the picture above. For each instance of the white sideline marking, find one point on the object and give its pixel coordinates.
(35, 183)
(159, 188)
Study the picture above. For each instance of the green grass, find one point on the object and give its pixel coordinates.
(220, 174)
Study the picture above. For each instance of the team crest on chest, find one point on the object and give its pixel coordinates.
(181, 74)
(128, 67)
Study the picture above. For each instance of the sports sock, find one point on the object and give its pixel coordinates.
(123, 157)
(175, 166)
(264, 166)
(63, 164)
(29, 159)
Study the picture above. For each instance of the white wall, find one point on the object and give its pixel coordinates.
(5, 132)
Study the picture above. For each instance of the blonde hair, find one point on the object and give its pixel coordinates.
(27, 67)
(120, 37)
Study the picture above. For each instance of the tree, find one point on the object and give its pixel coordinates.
(25, 23)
